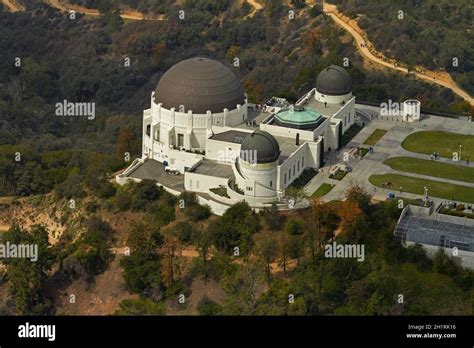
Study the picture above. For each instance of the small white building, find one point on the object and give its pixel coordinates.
(201, 125)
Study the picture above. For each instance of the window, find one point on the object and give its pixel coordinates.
(180, 140)
(298, 165)
(284, 180)
(302, 162)
(148, 130)
(271, 182)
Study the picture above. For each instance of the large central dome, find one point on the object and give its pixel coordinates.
(200, 84)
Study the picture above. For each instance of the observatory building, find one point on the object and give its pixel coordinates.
(201, 134)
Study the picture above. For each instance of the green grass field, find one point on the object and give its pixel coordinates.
(322, 190)
(444, 143)
(432, 168)
(416, 185)
(375, 137)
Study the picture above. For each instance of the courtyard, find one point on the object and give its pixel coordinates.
(402, 161)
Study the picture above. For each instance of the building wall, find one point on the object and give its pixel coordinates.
(332, 99)
(202, 183)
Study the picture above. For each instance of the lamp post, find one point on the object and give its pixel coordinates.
(460, 151)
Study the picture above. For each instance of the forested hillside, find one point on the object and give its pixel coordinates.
(430, 33)
(47, 57)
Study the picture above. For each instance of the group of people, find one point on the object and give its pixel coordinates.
(434, 156)
(251, 123)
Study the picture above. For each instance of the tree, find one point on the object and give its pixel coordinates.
(26, 276)
(296, 193)
(141, 306)
(242, 289)
(203, 241)
(171, 251)
(272, 217)
(208, 307)
(284, 250)
(321, 224)
(266, 247)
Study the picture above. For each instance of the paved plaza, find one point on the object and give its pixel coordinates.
(387, 147)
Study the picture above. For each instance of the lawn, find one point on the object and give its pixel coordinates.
(444, 143)
(431, 168)
(416, 185)
(375, 137)
(322, 190)
(339, 175)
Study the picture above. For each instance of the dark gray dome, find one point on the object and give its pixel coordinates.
(265, 145)
(200, 84)
(334, 80)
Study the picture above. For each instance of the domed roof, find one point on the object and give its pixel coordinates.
(334, 80)
(299, 117)
(265, 145)
(200, 84)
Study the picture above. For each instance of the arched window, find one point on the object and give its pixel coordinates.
(148, 130)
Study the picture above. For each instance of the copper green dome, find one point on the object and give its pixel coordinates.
(334, 80)
(200, 84)
(263, 143)
(299, 117)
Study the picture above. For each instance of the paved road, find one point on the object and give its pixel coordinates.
(367, 49)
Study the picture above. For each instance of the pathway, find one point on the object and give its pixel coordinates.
(368, 51)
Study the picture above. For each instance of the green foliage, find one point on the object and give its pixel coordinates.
(185, 231)
(141, 306)
(27, 277)
(235, 228)
(294, 226)
(272, 217)
(208, 307)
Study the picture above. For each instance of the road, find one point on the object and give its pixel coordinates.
(12, 6)
(368, 51)
(131, 15)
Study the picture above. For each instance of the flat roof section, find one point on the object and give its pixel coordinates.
(327, 111)
(154, 170)
(214, 168)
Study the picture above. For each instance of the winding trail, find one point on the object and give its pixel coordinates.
(131, 15)
(368, 51)
(12, 6)
(256, 7)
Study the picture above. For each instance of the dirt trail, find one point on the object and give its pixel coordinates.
(256, 7)
(191, 253)
(368, 51)
(13, 6)
(125, 14)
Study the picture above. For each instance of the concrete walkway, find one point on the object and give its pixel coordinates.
(387, 147)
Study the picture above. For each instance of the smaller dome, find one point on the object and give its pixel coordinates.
(334, 80)
(299, 117)
(265, 146)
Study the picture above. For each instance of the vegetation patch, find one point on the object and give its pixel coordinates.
(339, 175)
(375, 137)
(304, 178)
(322, 190)
(431, 168)
(350, 134)
(221, 191)
(416, 185)
(444, 143)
